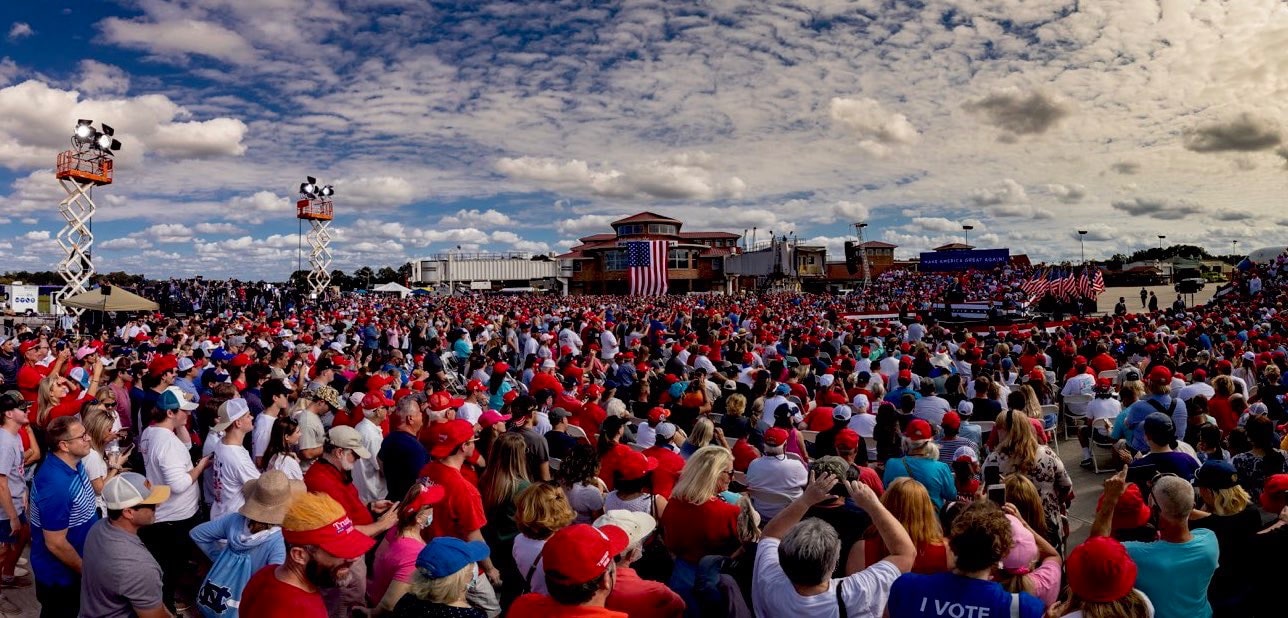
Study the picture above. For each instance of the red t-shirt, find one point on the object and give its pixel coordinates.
(265, 596)
(641, 598)
(590, 418)
(931, 557)
(326, 478)
(69, 406)
(820, 419)
(743, 454)
(696, 530)
(29, 377)
(461, 511)
(609, 461)
(669, 466)
(798, 390)
(534, 605)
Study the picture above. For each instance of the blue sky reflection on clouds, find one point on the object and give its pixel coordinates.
(523, 125)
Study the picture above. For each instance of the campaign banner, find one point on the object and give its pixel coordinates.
(978, 259)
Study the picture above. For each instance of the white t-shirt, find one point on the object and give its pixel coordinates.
(865, 593)
(525, 551)
(261, 433)
(1103, 408)
(366, 472)
(95, 468)
(288, 465)
(773, 482)
(607, 345)
(167, 462)
(233, 467)
(645, 436)
(470, 411)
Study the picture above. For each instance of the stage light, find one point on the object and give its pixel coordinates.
(104, 142)
(84, 132)
(327, 191)
(309, 187)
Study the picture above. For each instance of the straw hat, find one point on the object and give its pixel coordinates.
(269, 496)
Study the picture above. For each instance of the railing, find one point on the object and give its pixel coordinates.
(460, 256)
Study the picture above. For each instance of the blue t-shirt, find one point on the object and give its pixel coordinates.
(1175, 576)
(936, 476)
(496, 400)
(1134, 422)
(945, 595)
(403, 457)
(61, 499)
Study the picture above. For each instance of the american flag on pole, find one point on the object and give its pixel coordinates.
(1084, 284)
(646, 266)
(1097, 283)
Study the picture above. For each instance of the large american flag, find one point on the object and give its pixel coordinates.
(646, 266)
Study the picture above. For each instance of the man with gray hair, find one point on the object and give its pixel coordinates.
(631, 594)
(1175, 570)
(773, 479)
(401, 453)
(796, 559)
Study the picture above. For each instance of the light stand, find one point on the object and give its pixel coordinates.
(863, 256)
(316, 208)
(86, 165)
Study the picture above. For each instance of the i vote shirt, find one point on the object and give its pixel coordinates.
(945, 595)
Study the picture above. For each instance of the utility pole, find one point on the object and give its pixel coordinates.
(863, 255)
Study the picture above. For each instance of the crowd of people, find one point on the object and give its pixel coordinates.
(666, 456)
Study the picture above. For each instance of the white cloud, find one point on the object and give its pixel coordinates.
(20, 30)
(97, 78)
(940, 224)
(375, 191)
(36, 235)
(1069, 194)
(1007, 191)
(683, 176)
(585, 223)
(166, 233)
(474, 217)
(876, 129)
(180, 37)
(217, 137)
(124, 243)
(216, 228)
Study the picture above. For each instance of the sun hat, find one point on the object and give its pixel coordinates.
(636, 525)
(343, 436)
(1100, 570)
(269, 496)
(317, 519)
(447, 555)
(580, 553)
(130, 489)
(229, 412)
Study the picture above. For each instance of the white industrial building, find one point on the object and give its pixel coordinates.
(488, 272)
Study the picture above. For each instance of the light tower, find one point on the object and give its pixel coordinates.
(315, 207)
(86, 165)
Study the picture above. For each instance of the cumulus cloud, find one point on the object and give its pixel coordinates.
(1016, 112)
(1006, 191)
(476, 218)
(1157, 208)
(20, 30)
(1240, 133)
(940, 224)
(518, 243)
(178, 38)
(682, 176)
(876, 129)
(1069, 194)
(1126, 168)
(36, 235)
(166, 233)
(376, 191)
(585, 223)
(216, 228)
(255, 208)
(97, 78)
(1234, 215)
(125, 243)
(36, 119)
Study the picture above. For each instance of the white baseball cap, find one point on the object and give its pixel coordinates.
(130, 489)
(230, 411)
(637, 526)
(185, 364)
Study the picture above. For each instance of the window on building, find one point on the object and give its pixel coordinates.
(615, 259)
(576, 265)
(679, 258)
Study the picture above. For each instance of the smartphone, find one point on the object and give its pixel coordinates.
(61, 345)
(993, 485)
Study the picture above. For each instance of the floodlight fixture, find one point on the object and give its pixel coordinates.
(327, 191)
(84, 130)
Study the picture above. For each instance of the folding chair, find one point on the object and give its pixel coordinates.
(554, 463)
(1049, 425)
(1107, 444)
(577, 432)
(809, 436)
(1069, 414)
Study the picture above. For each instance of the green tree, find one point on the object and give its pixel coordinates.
(387, 275)
(363, 277)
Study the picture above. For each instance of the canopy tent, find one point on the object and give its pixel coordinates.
(393, 287)
(110, 299)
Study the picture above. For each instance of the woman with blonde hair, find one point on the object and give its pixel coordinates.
(1229, 513)
(735, 424)
(395, 559)
(909, 502)
(504, 478)
(704, 434)
(100, 465)
(1018, 452)
(1023, 495)
(444, 572)
(700, 520)
(540, 511)
(55, 398)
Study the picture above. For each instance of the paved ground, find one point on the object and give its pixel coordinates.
(1166, 296)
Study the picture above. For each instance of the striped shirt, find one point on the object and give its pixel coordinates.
(61, 499)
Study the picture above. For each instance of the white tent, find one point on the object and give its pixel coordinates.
(393, 287)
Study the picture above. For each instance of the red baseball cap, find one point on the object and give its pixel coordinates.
(953, 420)
(376, 399)
(447, 436)
(776, 436)
(1079, 360)
(28, 345)
(442, 400)
(1100, 570)
(905, 374)
(1131, 510)
(510, 396)
(162, 364)
(1160, 374)
(919, 429)
(635, 465)
(492, 417)
(658, 414)
(1037, 374)
(475, 386)
(1272, 496)
(846, 439)
(500, 367)
(580, 553)
(241, 360)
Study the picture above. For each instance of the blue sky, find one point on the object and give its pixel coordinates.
(524, 125)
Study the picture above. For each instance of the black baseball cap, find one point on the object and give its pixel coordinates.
(12, 400)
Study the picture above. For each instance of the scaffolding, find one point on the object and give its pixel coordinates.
(79, 171)
(318, 211)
